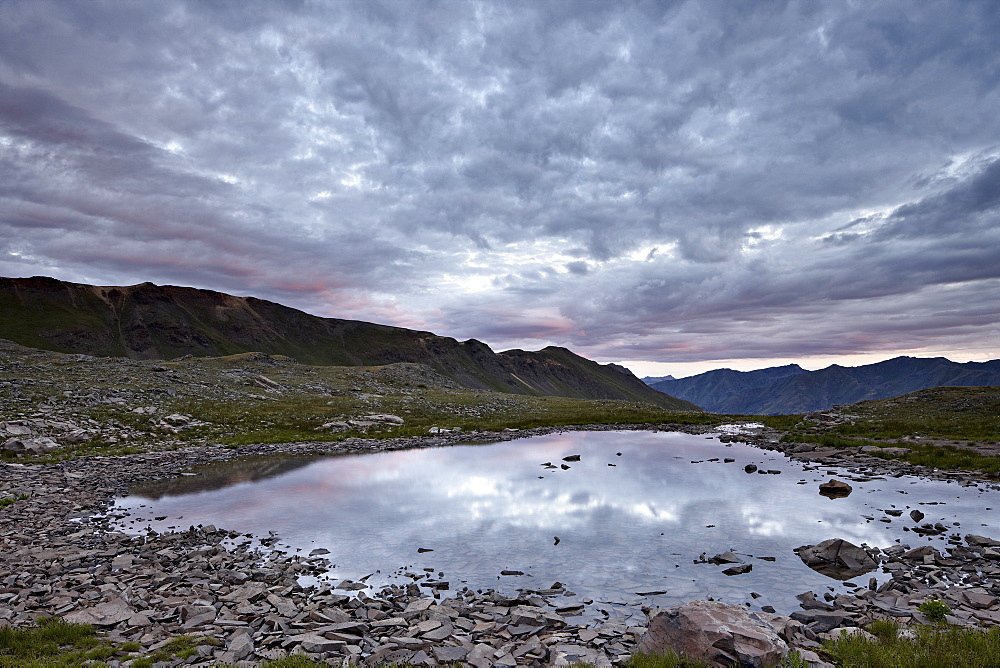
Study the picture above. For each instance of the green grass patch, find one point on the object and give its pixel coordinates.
(11, 500)
(672, 660)
(933, 647)
(830, 440)
(952, 413)
(52, 642)
(299, 417)
(947, 457)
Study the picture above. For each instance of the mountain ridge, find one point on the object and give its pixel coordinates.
(148, 321)
(790, 389)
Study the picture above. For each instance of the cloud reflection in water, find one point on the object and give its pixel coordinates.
(635, 526)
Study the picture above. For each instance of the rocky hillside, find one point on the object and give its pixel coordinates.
(791, 389)
(151, 322)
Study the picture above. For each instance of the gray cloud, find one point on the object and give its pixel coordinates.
(669, 181)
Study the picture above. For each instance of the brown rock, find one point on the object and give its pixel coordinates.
(835, 489)
(717, 633)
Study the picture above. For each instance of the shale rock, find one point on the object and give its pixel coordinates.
(836, 558)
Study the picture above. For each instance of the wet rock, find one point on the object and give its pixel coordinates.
(738, 570)
(916, 515)
(717, 633)
(836, 558)
(981, 541)
(725, 558)
(834, 489)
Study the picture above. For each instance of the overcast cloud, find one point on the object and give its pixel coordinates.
(641, 181)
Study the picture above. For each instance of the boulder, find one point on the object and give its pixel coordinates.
(717, 633)
(836, 558)
(37, 445)
(835, 489)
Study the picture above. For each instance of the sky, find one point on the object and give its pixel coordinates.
(676, 186)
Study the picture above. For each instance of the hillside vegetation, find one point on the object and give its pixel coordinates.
(94, 405)
(941, 427)
(151, 322)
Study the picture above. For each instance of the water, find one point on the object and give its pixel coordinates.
(627, 524)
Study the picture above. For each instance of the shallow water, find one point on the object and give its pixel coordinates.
(627, 524)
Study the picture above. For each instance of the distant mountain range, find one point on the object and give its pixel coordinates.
(149, 321)
(649, 380)
(791, 389)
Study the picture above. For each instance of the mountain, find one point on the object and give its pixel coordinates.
(791, 389)
(150, 321)
(649, 380)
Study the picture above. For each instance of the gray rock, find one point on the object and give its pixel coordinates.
(738, 570)
(104, 614)
(836, 558)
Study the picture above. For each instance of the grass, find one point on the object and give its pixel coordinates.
(948, 457)
(672, 660)
(932, 647)
(52, 642)
(298, 417)
(11, 500)
(943, 413)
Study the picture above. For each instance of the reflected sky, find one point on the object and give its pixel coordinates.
(627, 523)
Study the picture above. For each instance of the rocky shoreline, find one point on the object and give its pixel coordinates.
(61, 555)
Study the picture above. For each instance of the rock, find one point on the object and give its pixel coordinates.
(834, 489)
(572, 458)
(446, 654)
(851, 632)
(836, 558)
(717, 633)
(981, 541)
(750, 468)
(738, 570)
(104, 614)
(310, 642)
(37, 445)
(916, 515)
(726, 558)
(240, 647)
(384, 417)
(821, 621)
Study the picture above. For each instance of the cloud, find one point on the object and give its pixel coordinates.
(663, 181)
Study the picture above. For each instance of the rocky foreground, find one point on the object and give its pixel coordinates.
(61, 555)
